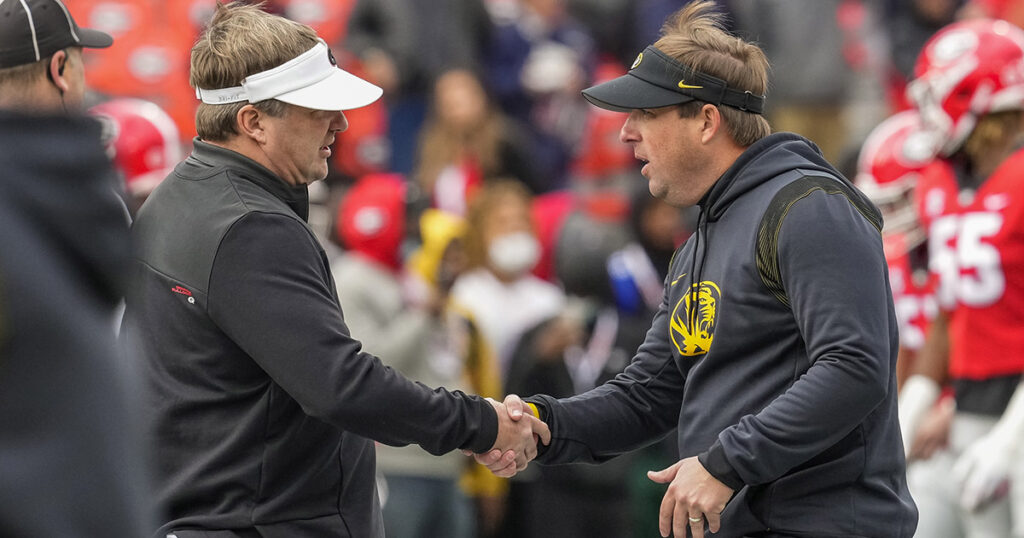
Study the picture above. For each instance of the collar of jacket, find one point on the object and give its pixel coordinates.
(206, 154)
(770, 156)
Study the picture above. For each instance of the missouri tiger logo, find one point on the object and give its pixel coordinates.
(692, 327)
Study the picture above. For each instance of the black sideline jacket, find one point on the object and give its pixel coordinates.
(262, 406)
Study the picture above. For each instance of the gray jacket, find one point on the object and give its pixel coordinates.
(783, 385)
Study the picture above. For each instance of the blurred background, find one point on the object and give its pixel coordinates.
(498, 203)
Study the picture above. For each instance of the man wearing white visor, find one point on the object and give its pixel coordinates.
(261, 405)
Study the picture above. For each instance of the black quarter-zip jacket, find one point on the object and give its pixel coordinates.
(786, 391)
(262, 406)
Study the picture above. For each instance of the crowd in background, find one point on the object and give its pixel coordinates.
(488, 230)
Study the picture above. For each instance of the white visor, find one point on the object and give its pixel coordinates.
(311, 80)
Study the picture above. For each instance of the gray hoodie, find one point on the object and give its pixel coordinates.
(782, 384)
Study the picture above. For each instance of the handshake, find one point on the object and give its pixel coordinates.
(518, 433)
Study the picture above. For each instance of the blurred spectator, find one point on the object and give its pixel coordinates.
(364, 147)
(612, 266)
(504, 298)
(143, 142)
(549, 211)
(811, 88)
(432, 270)
(601, 158)
(609, 23)
(405, 45)
(328, 17)
(537, 63)
(908, 24)
(498, 290)
(466, 142)
(71, 457)
(404, 324)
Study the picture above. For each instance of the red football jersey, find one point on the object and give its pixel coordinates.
(976, 250)
(913, 294)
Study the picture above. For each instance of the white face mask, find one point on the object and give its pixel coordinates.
(514, 254)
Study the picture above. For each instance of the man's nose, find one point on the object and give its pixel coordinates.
(339, 123)
(628, 132)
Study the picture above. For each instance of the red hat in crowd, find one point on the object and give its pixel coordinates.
(371, 218)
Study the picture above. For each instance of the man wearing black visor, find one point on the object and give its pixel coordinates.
(774, 349)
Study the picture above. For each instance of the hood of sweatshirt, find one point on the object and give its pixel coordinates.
(763, 160)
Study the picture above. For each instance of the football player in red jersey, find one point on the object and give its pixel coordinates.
(888, 169)
(969, 88)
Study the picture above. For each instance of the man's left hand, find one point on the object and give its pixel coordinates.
(693, 497)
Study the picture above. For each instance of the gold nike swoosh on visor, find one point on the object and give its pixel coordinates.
(685, 86)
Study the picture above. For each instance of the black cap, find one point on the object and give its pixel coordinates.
(656, 80)
(31, 30)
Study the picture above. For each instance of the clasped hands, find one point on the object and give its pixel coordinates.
(518, 433)
(694, 497)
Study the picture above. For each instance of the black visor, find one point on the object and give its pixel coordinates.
(656, 80)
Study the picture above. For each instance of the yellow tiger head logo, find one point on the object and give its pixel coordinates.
(692, 326)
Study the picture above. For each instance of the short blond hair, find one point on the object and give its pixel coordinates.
(241, 40)
(696, 36)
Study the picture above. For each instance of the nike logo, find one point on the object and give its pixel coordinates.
(685, 86)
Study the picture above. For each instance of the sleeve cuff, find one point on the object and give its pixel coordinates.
(540, 411)
(715, 462)
(533, 409)
(488, 431)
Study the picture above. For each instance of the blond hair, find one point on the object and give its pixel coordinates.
(482, 205)
(696, 36)
(241, 40)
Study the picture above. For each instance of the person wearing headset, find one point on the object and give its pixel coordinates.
(41, 68)
(71, 456)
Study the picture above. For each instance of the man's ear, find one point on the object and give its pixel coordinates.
(250, 123)
(55, 70)
(712, 122)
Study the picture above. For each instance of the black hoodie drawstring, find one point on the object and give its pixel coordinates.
(701, 222)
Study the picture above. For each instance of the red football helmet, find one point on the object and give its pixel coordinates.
(966, 70)
(887, 172)
(142, 140)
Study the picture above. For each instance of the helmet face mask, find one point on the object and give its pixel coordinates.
(965, 71)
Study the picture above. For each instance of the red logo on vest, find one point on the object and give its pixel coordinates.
(181, 290)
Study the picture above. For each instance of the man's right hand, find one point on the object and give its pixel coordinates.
(518, 433)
